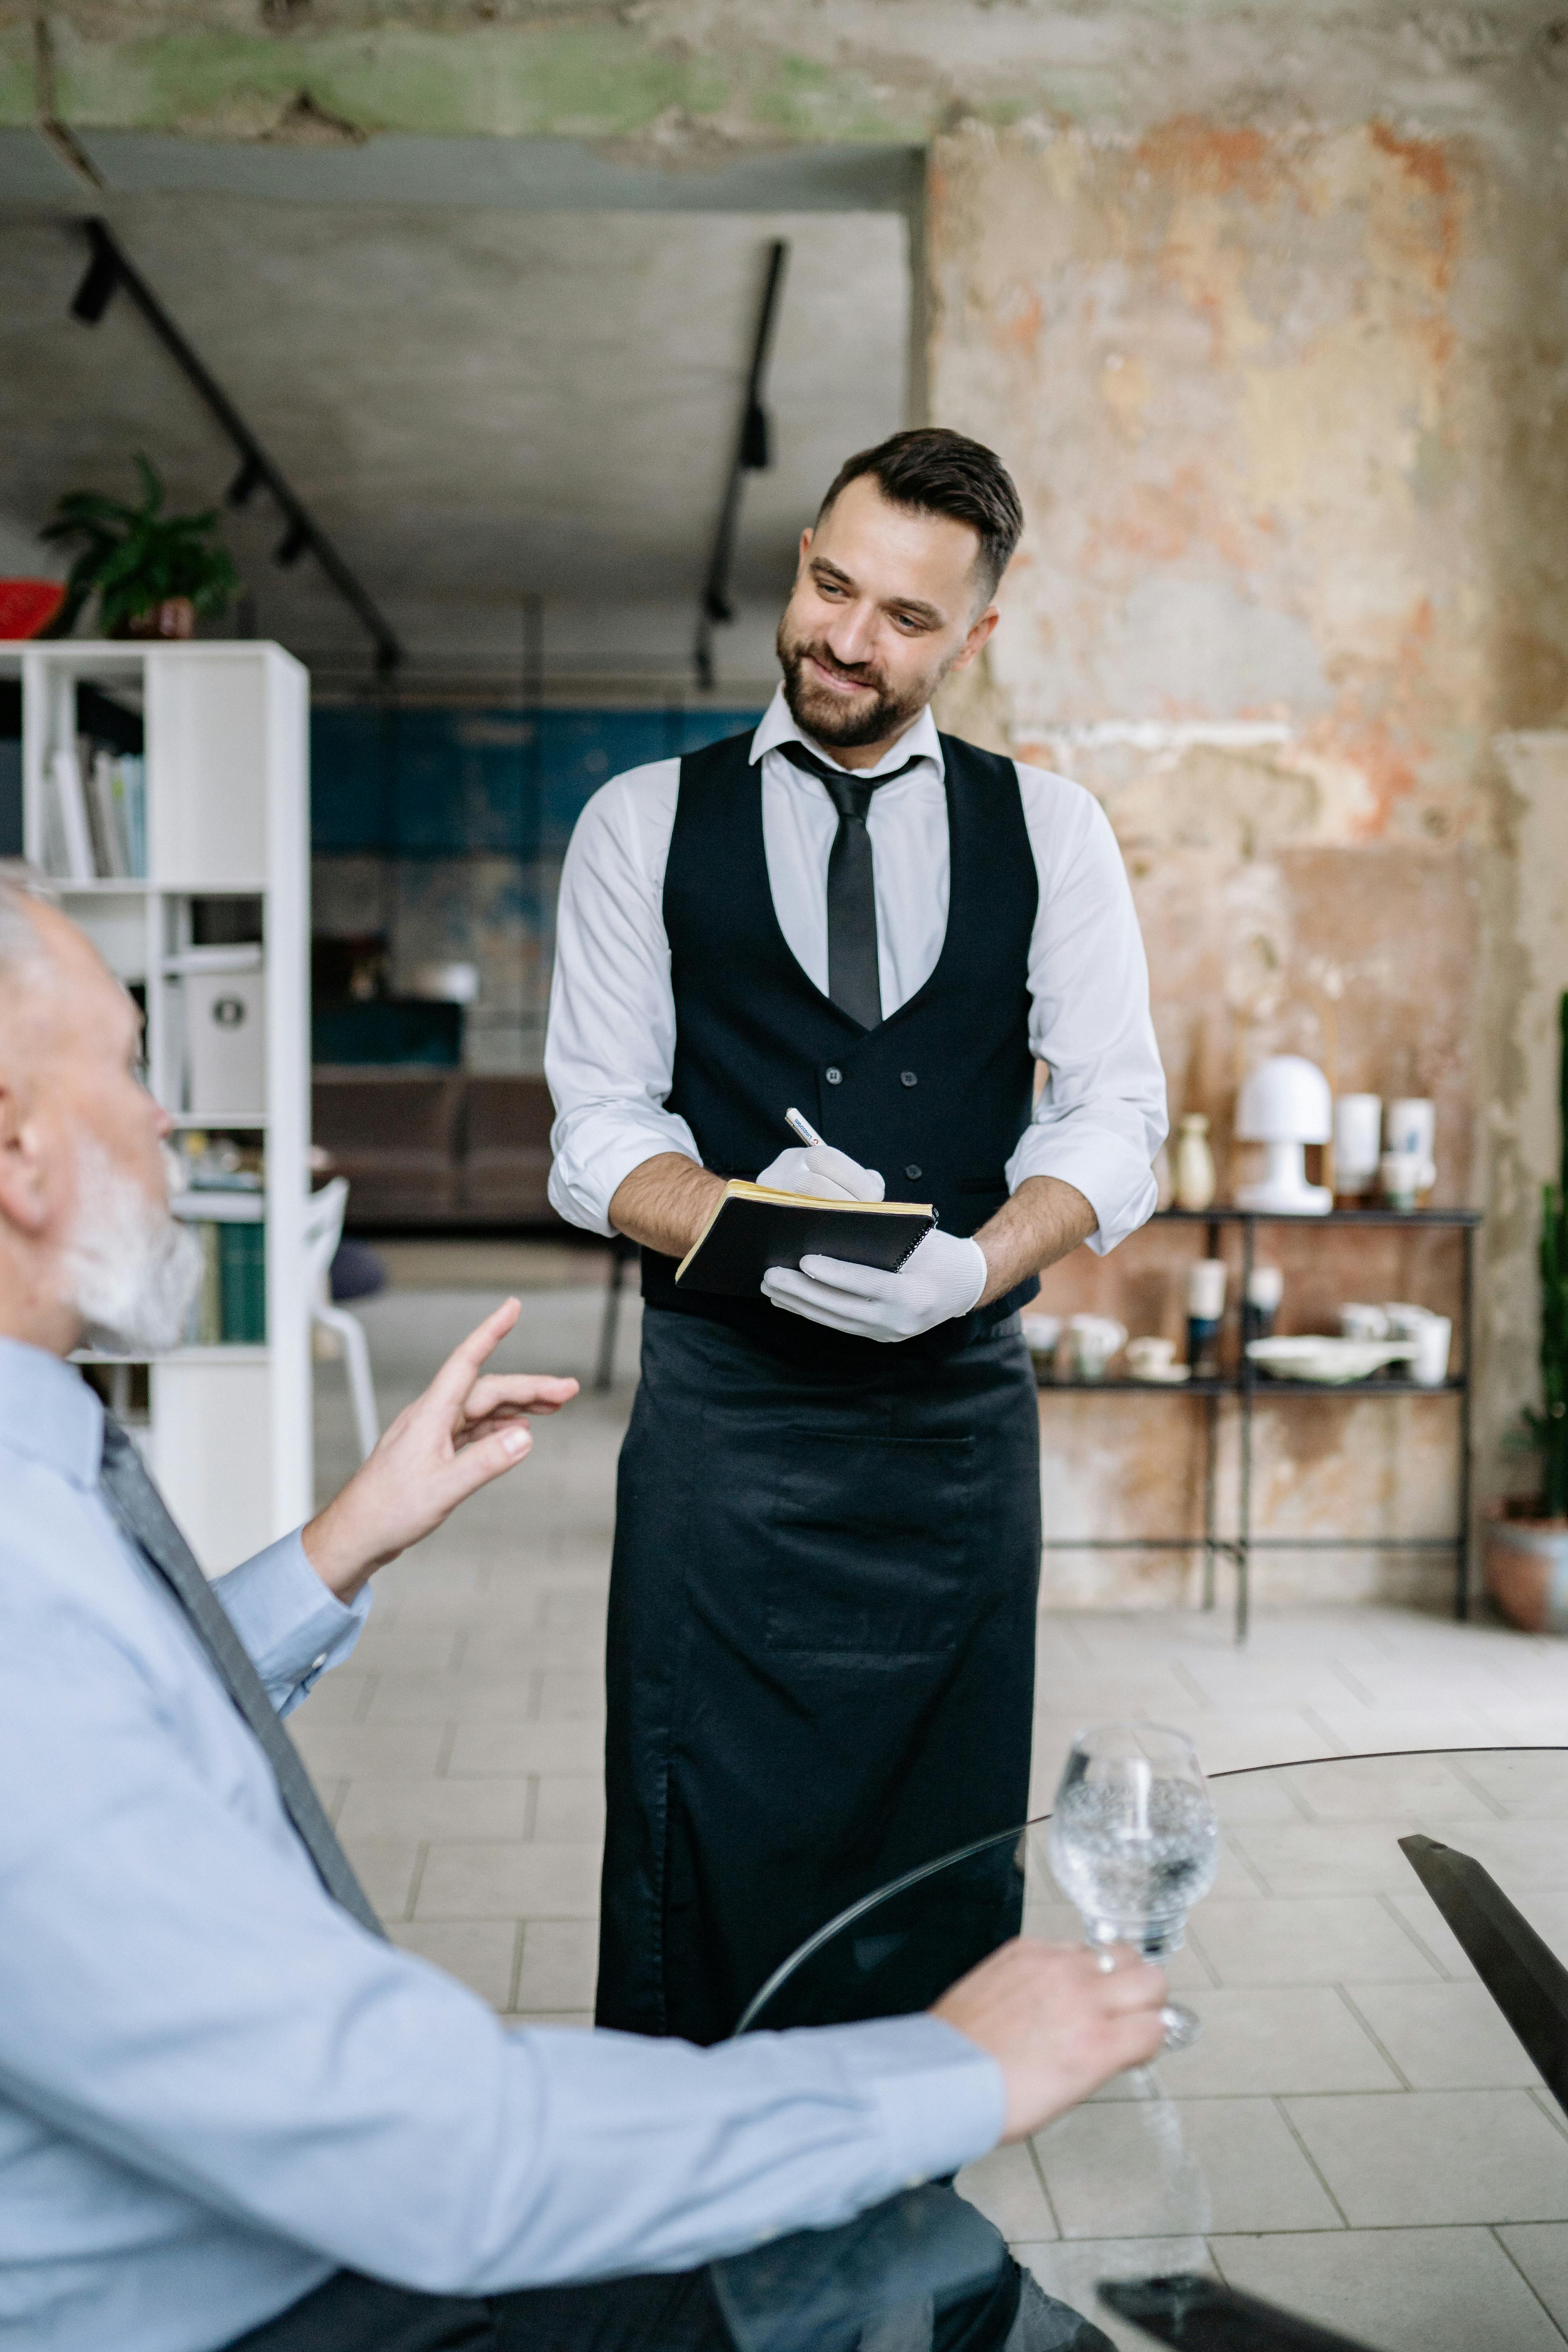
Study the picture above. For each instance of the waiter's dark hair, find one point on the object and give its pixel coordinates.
(934, 470)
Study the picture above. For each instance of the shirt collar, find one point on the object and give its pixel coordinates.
(49, 1412)
(918, 741)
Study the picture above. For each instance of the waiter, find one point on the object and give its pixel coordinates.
(822, 1603)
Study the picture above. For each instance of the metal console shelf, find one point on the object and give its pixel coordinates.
(1245, 1385)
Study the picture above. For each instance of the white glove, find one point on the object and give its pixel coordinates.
(943, 1278)
(823, 1174)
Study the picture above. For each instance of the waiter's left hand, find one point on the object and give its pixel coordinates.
(943, 1278)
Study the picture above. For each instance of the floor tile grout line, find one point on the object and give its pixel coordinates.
(1499, 1811)
(1385, 1902)
(1375, 2038)
(1044, 2185)
(1548, 2106)
(1310, 1716)
(1493, 2232)
(421, 1855)
(1277, 2102)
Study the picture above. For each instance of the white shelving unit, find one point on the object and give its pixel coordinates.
(227, 768)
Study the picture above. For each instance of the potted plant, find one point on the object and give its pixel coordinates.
(152, 571)
(1526, 1555)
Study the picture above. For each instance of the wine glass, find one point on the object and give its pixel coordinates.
(1134, 1843)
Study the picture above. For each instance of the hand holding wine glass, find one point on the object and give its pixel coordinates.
(1135, 1844)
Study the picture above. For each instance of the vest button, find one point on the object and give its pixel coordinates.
(911, 1169)
(908, 1079)
(833, 1073)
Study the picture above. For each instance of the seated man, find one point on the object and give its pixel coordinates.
(230, 2111)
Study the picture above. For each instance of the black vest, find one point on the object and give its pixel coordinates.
(936, 1097)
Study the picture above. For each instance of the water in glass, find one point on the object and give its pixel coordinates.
(1134, 1843)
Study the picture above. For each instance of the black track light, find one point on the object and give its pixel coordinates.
(245, 484)
(93, 296)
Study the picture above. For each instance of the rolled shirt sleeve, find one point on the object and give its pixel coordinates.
(610, 1053)
(1101, 1116)
(609, 1056)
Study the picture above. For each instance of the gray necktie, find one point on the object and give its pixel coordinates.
(139, 1509)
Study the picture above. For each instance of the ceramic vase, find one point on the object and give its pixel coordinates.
(1194, 1163)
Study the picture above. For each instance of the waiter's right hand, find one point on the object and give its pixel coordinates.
(1059, 2021)
(823, 1174)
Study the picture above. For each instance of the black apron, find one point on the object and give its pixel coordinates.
(821, 1648)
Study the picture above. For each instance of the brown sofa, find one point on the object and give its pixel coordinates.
(424, 1146)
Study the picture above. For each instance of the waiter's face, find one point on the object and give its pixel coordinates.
(886, 602)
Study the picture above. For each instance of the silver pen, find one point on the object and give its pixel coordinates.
(803, 1126)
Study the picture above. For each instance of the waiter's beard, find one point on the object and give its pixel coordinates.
(129, 1269)
(846, 724)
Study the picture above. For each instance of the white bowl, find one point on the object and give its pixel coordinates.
(1329, 1361)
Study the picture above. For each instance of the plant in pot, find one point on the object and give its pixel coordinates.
(1526, 1556)
(152, 572)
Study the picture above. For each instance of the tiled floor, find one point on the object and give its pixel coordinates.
(1357, 2135)
(460, 1752)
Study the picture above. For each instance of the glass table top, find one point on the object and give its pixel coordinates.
(1359, 2135)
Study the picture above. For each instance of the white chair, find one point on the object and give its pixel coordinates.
(323, 1231)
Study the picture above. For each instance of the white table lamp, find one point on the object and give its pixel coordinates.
(1285, 1104)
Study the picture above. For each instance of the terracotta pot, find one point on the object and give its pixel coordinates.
(174, 617)
(1524, 1564)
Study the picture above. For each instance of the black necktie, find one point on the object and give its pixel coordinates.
(854, 982)
(139, 1509)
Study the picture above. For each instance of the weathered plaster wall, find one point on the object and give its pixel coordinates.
(679, 78)
(1286, 410)
(1266, 306)
(1522, 981)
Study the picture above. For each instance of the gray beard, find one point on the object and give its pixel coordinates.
(131, 1270)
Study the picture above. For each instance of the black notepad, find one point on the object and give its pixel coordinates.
(752, 1228)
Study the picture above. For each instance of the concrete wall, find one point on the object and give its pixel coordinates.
(1284, 407)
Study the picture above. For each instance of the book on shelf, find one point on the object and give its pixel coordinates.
(95, 815)
(242, 1279)
(106, 815)
(230, 1307)
(68, 840)
(130, 786)
(204, 1324)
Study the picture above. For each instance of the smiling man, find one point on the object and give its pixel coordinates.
(822, 1626)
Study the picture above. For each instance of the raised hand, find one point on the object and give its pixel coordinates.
(469, 1426)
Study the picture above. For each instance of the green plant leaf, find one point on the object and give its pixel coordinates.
(152, 486)
(137, 556)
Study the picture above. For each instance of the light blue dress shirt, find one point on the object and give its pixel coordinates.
(216, 2088)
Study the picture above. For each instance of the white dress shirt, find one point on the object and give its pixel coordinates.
(216, 2088)
(610, 1054)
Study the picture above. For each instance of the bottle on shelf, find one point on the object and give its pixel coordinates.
(1260, 1303)
(1206, 1317)
(1195, 1179)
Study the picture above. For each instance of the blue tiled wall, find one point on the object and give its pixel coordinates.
(444, 831)
(439, 783)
